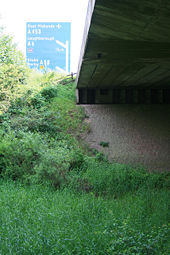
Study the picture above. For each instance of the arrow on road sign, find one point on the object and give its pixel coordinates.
(60, 69)
(67, 52)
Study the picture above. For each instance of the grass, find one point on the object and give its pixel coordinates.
(39, 220)
(115, 180)
(57, 198)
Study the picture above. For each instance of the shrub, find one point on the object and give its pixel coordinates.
(104, 144)
(32, 158)
(37, 101)
(19, 154)
(8, 51)
(10, 77)
(50, 79)
(49, 93)
(53, 166)
(45, 95)
(13, 71)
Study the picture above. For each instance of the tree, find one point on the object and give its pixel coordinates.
(13, 70)
(8, 51)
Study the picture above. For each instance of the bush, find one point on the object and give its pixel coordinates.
(13, 71)
(34, 121)
(44, 96)
(32, 158)
(19, 154)
(49, 93)
(37, 101)
(9, 53)
(50, 79)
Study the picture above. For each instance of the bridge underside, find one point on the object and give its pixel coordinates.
(125, 55)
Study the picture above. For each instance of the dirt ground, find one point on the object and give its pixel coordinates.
(138, 135)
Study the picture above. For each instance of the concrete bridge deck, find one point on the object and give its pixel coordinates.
(125, 55)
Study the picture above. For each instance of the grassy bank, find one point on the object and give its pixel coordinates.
(56, 197)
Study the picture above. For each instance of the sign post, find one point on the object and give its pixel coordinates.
(48, 46)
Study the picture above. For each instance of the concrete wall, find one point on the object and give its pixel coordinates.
(123, 96)
(138, 135)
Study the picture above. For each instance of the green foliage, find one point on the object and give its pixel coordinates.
(32, 158)
(46, 94)
(49, 93)
(13, 71)
(19, 154)
(116, 180)
(67, 92)
(35, 121)
(69, 116)
(38, 101)
(50, 79)
(35, 145)
(104, 144)
(8, 51)
(37, 220)
(10, 76)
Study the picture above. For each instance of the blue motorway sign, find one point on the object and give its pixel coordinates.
(48, 46)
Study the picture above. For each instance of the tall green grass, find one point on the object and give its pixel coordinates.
(116, 180)
(39, 220)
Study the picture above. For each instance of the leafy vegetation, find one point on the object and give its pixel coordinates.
(36, 138)
(57, 197)
(104, 144)
(13, 71)
(8, 51)
(39, 220)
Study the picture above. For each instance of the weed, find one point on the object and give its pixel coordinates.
(104, 144)
(117, 180)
